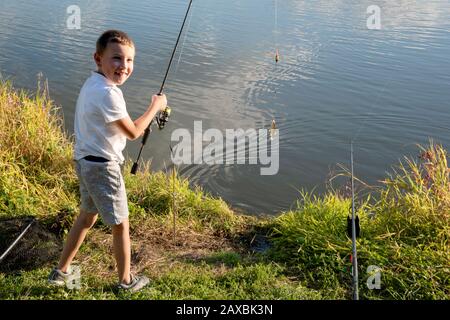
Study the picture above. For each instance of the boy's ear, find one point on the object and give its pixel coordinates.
(97, 59)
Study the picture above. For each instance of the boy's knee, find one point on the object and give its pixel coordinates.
(121, 227)
(88, 219)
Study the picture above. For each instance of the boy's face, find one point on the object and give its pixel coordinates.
(116, 62)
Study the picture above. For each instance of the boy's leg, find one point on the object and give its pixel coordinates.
(75, 238)
(122, 250)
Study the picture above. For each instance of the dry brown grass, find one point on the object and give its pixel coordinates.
(154, 250)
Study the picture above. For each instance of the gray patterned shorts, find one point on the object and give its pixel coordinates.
(102, 190)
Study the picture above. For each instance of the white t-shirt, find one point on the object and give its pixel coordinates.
(99, 103)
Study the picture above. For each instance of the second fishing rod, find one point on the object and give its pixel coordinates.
(354, 232)
(163, 116)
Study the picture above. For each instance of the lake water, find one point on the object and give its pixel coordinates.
(336, 80)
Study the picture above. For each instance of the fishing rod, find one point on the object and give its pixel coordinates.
(3, 256)
(163, 116)
(354, 231)
(353, 226)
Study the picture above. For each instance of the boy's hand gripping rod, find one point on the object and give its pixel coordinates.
(163, 116)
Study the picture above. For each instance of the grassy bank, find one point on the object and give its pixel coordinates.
(216, 253)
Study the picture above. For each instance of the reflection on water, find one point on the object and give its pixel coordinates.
(336, 80)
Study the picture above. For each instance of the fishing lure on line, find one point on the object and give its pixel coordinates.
(272, 131)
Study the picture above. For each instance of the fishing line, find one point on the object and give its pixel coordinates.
(184, 41)
(174, 210)
(277, 56)
(273, 126)
(276, 21)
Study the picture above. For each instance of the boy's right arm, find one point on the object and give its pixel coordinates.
(134, 129)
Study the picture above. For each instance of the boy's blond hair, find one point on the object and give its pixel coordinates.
(114, 36)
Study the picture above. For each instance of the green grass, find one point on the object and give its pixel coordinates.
(153, 192)
(184, 281)
(405, 233)
(404, 223)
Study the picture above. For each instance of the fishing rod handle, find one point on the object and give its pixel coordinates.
(146, 134)
(134, 168)
(147, 131)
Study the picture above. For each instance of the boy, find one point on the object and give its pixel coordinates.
(102, 125)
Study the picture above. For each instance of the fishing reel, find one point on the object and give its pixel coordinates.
(350, 224)
(163, 117)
